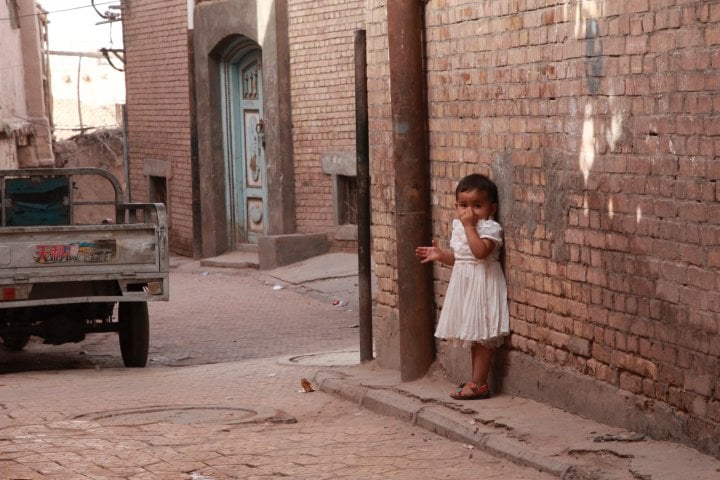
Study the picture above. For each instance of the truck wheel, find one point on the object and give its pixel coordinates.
(134, 333)
(15, 342)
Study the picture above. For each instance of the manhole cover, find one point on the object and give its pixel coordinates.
(326, 359)
(188, 414)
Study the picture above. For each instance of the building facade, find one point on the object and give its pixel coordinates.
(241, 119)
(597, 119)
(25, 138)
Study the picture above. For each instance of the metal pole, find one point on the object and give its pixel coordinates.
(412, 186)
(126, 157)
(194, 155)
(363, 198)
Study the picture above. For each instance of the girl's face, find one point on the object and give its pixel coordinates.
(477, 202)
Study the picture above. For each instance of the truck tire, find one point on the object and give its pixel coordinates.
(134, 330)
(15, 342)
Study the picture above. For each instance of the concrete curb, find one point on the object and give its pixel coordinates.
(444, 422)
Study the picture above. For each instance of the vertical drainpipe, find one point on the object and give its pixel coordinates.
(412, 185)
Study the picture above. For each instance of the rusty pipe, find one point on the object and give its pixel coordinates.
(412, 185)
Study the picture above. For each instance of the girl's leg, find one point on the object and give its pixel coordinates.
(477, 388)
(481, 360)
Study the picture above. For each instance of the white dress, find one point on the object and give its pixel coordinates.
(475, 309)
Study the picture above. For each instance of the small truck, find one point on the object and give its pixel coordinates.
(73, 263)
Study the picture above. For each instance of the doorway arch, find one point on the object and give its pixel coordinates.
(225, 32)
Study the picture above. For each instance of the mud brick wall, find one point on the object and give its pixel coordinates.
(599, 120)
(158, 108)
(321, 36)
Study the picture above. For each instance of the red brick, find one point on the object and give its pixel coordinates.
(714, 410)
(635, 6)
(631, 383)
(712, 35)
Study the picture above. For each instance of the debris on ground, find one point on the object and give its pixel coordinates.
(620, 437)
(197, 476)
(306, 385)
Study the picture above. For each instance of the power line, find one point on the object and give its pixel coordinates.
(58, 11)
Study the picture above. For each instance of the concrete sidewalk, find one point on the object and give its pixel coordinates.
(527, 432)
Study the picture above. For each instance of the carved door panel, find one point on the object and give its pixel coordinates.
(249, 151)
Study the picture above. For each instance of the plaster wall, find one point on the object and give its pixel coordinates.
(12, 90)
(12, 86)
(24, 123)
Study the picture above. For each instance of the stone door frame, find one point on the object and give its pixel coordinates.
(217, 26)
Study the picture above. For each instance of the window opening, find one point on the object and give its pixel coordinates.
(347, 200)
(158, 190)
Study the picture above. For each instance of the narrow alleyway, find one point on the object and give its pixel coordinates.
(216, 315)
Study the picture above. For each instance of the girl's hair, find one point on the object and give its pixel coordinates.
(479, 182)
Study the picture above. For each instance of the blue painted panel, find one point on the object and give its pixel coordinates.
(244, 146)
(44, 201)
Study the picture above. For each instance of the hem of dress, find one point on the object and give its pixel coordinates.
(493, 342)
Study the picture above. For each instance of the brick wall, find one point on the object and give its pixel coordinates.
(382, 169)
(158, 106)
(323, 101)
(599, 122)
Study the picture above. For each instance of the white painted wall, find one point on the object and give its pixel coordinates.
(12, 88)
(13, 112)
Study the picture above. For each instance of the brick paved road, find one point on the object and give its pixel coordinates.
(243, 420)
(231, 411)
(222, 316)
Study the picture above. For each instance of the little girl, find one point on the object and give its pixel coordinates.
(475, 311)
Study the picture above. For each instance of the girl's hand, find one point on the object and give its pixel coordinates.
(468, 218)
(429, 254)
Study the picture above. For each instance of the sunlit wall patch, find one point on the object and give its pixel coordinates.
(587, 147)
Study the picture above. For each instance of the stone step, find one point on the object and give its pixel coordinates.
(235, 259)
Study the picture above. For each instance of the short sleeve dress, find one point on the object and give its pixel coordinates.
(475, 309)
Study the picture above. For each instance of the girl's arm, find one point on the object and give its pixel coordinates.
(480, 247)
(435, 254)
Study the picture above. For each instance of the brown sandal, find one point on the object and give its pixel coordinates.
(478, 393)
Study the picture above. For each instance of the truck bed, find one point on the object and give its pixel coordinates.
(118, 259)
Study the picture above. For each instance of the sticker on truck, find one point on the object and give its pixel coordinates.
(100, 251)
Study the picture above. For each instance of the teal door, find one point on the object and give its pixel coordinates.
(245, 135)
